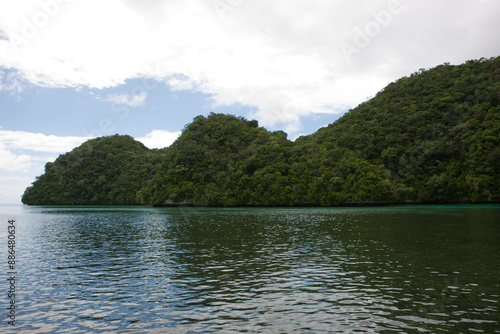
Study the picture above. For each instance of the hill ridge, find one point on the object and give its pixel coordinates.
(432, 137)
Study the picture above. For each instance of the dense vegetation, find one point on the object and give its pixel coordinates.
(430, 137)
(106, 170)
(435, 136)
(223, 160)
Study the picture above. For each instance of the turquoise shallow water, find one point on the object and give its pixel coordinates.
(140, 269)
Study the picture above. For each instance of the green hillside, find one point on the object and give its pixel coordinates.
(106, 170)
(223, 160)
(431, 137)
(436, 134)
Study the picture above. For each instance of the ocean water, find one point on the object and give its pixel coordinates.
(402, 269)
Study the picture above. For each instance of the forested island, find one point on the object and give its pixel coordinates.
(432, 137)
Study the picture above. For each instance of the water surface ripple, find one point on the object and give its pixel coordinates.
(369, 270)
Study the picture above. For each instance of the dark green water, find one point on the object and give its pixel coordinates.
(149, 270)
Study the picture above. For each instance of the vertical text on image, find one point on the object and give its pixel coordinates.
(11, 272)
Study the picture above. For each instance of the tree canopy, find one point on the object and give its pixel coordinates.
(106, 170)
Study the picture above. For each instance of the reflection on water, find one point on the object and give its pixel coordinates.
(135, 270)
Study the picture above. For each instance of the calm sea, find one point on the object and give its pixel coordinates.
(337, 270)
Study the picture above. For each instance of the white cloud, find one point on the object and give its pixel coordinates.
(20, 150)
(128, 100)
(159, 138)
(12, 82)
(38, 142)
(284, 58)
(13, 162)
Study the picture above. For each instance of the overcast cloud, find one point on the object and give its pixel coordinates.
(285, 58)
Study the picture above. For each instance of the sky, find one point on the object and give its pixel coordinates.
(71, 70)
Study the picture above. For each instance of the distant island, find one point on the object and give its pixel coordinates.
(432, 137)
